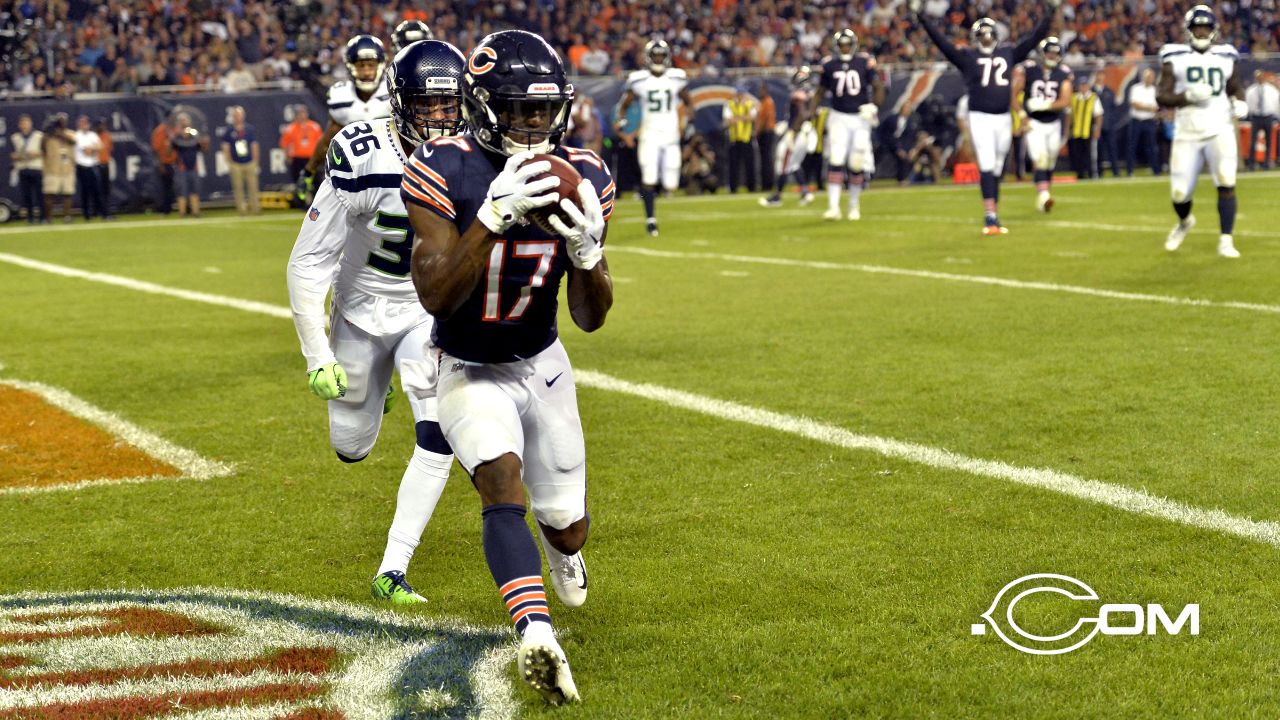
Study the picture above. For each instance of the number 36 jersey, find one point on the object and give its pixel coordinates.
(355, 238)
(1213, 67)
(510, 315)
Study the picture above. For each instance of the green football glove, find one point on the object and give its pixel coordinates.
(304, 184)
(328, 382)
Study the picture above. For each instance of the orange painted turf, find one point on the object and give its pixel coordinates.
(40, 446)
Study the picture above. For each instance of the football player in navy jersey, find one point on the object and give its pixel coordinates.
(851, 80)
(491, 278)
(1044, 90)
(987, 68)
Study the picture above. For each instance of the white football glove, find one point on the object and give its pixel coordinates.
(1039, 104)
(869, 112)
(1198, 94)
(1239, 108)
(585, 237)
(915, 5)
(513, 194)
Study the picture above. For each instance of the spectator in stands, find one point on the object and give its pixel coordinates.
(766, 127)
(59, 165)
(240, 150)
(239, 79)
(1263, 98)
(740, 124)
(88, 147)
(104, 164)
(166, 160)
(300, 138)
(27, 160)
(1142, 123)
(188, 143)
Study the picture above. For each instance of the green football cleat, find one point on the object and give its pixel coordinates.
(390, 401)
(392, 586)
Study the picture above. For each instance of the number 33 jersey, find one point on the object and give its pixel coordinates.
(355, 238)
(1213, 67)
(510, 315)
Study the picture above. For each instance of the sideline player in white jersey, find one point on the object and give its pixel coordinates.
(664, 98)
(850, 79)
(1043, 89)
(362, 97)
(356, 240)
(1199, 79)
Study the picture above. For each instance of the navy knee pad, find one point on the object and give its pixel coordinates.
(431, 438)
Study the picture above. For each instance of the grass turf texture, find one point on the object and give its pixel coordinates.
(736, 571)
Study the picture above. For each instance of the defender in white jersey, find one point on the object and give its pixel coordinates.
(355, 240)
(1199, 80)
(664, 100)
(363, 96)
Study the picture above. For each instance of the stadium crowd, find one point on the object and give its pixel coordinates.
(64, 46)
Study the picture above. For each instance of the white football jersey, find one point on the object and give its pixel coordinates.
(659, 98)
(1213, 67)
(356, 238)
(346, 107)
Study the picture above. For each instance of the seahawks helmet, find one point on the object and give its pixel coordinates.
(983, 34)
(425, 79)
(1198, 17)
(657, 54)
(365, 47)
(515, 95)
(409, 31)
(844, 44)
(1050, 52)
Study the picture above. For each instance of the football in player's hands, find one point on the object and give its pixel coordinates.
(569, 178)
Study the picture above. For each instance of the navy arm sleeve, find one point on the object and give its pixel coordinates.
(1024, 47)
(949, 50)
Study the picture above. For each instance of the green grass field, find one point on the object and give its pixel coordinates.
(740, 570)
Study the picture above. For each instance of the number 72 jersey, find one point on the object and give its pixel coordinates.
(1214, 68)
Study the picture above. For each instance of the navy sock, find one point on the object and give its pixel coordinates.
(647, 196)
(1226, 209)
(515, 563)
(1183, 209)
(1043, 176)
(990, 186)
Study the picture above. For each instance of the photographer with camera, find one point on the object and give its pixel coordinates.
(58, 165)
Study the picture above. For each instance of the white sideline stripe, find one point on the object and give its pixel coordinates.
(192, 465)
(146, 287)
(1117, 496)
(56, 694)
(87, 228)
(955, 277)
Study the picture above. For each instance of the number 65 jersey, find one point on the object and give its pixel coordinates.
(1213, 67)
(356, 238)
(511, 313)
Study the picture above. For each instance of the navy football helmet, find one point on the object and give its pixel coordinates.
(1201, 16)
(365, 47)
(1050, 52)
(409, 31)
(983, 34)
(657, 53)
(844, 44)
(425, 82)
(515, 95)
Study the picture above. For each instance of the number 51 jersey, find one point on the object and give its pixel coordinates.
(1213, 67)
(511, 313)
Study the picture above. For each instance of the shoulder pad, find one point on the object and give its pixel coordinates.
(1066, 70)
(341, 92)
(336, 159)
(1172, 49)
(1225, 50)
(637, 75)
(677, 73)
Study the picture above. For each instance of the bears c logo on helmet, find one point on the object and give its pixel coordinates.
(480, 66)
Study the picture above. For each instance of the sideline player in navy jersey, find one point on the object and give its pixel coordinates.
(987, 68)
(850, 78)
(491, 278)
(796, 141)
(1045, 90)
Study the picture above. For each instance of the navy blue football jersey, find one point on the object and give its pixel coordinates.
(511, 313)
(987, 75)
(847, 82)
(1046, 83)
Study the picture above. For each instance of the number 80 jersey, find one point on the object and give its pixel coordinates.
(1213, 67)
(511, 313)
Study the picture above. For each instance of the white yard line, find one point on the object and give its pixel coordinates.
(87, 229)
(952, 277)
(1116, 496)
(192, 465)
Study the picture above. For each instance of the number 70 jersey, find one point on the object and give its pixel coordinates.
(1214, 67)
(659, 98)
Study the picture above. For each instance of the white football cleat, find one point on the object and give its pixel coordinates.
(806, 198)
(1179, 233)
(1227, 247)
(568, 573)
(855, 213)
(1044, 201)
(542, 664)
(832, 214)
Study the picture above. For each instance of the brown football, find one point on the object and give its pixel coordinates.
(568, 188)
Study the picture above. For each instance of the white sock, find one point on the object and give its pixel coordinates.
(833, 195)
(855, 191)
(420, 490)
